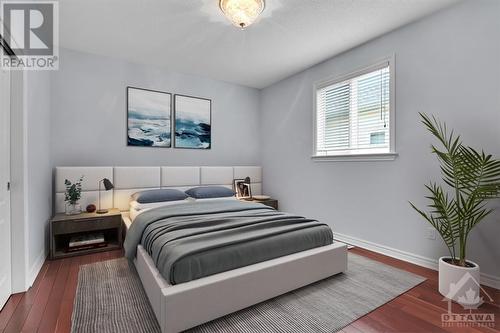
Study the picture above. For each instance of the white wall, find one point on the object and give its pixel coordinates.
(448, 65)
(31, 175)
(18, 142)
(39, 171)
(88, 117)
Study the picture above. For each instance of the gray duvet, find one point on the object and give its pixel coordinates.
(193, 240)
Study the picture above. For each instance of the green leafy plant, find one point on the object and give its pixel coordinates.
(73, 191)
(472, 178)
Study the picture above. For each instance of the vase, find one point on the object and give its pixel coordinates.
(73, 208)
(460, 284)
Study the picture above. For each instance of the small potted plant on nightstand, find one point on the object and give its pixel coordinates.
(72, 196)
(472, 178)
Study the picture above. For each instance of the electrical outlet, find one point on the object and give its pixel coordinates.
(430, 234)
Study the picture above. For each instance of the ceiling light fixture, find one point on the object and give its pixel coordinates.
(242, 13)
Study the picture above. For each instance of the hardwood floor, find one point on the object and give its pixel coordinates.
(47, 306)
(420, 309)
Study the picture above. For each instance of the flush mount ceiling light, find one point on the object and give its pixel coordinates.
(242, 13)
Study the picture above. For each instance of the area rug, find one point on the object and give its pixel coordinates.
(110, 298)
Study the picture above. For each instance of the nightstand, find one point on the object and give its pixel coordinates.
(63, 227)
(268, 202)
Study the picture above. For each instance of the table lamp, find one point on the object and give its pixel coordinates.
(108, 185)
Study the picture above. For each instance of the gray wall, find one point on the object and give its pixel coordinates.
(88, 119)
(447, 65)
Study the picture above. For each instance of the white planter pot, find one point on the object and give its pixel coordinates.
(460, 284)
(73, 209)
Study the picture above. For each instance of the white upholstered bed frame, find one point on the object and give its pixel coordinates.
(186, 305)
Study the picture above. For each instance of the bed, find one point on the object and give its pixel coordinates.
(203, 283)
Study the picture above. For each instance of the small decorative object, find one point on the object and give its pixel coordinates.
(72, 195)
(242, 188)
(91, 208)
(149, 118)
(261, 197)
(472, 178)
(242, 13)
(193, 121)
(108, 185)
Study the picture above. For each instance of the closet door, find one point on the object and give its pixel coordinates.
(5, 241)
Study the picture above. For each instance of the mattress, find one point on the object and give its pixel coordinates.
(190, 241)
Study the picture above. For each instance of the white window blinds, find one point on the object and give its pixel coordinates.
(352, 116)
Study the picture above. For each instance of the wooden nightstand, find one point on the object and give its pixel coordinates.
(63, 227)
(268, 202)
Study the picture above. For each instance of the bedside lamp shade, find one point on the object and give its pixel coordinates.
(108, 185)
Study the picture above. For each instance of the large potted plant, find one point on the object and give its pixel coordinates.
(471, 178)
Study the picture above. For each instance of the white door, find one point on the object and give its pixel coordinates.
(5, 250)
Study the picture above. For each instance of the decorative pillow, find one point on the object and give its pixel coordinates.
(161, 195)
(207, 192)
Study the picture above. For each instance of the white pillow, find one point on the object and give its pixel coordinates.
(138, 206)
(217, 199)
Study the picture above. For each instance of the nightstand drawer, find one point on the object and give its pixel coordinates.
(271, 203)
(66, 227)
(268, 202)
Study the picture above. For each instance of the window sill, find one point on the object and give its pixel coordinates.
(355, 157)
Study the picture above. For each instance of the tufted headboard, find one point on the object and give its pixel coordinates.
(128, 180)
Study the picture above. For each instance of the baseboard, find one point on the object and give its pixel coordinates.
(486, 279)
(35, 269)
(490, 280)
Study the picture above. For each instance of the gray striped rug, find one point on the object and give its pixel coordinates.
(110, 298)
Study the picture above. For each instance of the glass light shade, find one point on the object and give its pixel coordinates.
(242, 13)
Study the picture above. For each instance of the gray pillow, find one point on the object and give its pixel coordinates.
(207, 192)
(161, 195)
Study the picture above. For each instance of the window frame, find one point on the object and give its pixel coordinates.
(353, 155)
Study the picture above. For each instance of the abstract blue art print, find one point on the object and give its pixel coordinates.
(149, 118)
(193, 122)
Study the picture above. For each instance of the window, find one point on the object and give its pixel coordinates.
(354, 115)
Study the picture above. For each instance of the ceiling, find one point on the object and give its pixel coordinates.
(193, 36)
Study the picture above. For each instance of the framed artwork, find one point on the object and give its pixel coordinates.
(149, 118)
(193, 122)
(242, 188)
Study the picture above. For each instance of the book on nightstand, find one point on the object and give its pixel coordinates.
(86, 241)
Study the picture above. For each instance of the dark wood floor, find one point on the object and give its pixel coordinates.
(48, 305)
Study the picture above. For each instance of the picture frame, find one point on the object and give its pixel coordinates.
(192, 122)
(242, 188)
(149, 118)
